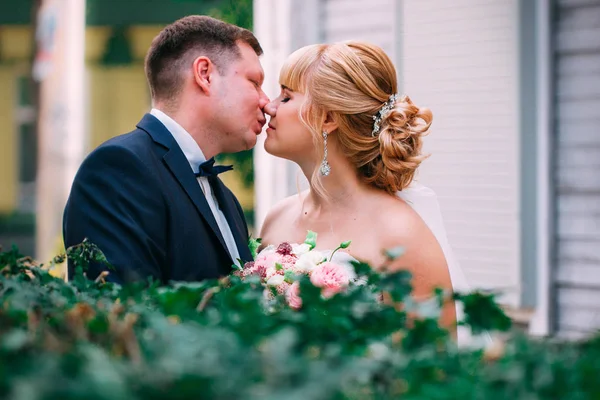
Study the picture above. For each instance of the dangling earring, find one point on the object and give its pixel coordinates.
(325, 168)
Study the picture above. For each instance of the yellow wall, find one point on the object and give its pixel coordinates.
(8, 142)
(15, 48)
(16, 42)
(118, 100)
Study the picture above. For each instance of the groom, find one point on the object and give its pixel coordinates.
(151, 199)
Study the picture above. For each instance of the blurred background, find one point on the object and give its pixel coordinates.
(514, 86)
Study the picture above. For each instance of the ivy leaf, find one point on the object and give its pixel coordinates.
(483, 313)
(254, 244)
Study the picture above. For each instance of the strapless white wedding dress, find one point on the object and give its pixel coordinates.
(424, 201)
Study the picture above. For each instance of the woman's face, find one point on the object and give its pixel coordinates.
(287, 136)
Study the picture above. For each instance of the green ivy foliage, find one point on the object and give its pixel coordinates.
(219, 339)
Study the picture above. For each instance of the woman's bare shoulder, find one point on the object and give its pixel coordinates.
(402, 226)
(398, 221)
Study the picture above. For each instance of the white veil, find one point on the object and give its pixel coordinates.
(424, 201)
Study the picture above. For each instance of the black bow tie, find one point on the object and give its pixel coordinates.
(208, 168)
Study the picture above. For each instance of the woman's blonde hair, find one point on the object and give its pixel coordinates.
(350, 82)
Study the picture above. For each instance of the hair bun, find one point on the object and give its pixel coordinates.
(400, 143)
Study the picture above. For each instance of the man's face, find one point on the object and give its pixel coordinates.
(240, 116)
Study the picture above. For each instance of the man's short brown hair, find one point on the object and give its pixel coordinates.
(179, 43)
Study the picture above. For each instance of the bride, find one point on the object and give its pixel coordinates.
(358, 143)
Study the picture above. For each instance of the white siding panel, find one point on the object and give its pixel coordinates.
(584, 251)
(580, 87)
(579, 110)
(577, 174)
(580, 157)
(580, 298)
(588, 64)
(579, 319)
(579, 274)
(579, 181)
(460, 59)
(586, 227)
(578, 205)
(578, 133)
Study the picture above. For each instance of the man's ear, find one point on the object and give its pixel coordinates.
(330, 124)
(203, 70)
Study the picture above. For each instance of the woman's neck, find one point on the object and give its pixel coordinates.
(342, 187)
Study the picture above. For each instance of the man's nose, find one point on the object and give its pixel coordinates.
(264, 100)
(270, 108)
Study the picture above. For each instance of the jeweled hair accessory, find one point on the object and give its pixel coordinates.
(385, 109)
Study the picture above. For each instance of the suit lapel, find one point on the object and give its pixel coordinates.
(176, 162)
(229, 208)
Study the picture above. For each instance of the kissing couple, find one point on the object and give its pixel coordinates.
(152, 200)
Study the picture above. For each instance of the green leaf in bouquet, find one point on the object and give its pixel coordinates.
(278, 267)
(311, 239)
(289, 276)
(343, 245)
(238, 266)
(254, 244)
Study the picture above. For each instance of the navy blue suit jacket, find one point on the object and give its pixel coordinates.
(137, 199)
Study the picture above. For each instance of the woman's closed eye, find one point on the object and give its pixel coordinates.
(285, 96)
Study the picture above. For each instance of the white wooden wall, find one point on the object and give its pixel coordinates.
(373, 21)
(460, 58)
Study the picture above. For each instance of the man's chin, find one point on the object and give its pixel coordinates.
(251, 143)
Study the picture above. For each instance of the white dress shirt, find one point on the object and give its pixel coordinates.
(195, 157)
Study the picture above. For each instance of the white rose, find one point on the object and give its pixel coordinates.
(270, 249)
(270, 271)
(275, 280)
(300, 249)
(308, 261)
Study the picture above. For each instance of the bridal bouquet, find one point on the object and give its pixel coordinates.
(279, 266)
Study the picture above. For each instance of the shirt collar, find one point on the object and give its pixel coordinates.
(188, 145)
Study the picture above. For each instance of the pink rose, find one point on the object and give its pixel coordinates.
(283, 288)
(287, 263)
(251, 268)
(293, 296)
(266, 263)
(331, 278)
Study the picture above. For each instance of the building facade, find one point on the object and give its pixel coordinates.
(513, 86)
